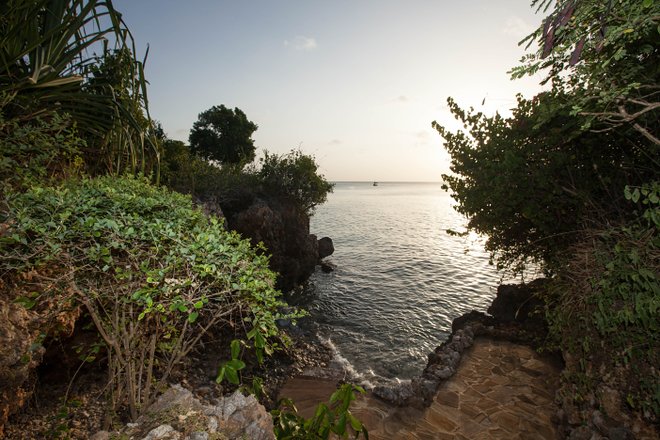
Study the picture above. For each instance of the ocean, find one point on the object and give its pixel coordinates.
(400, 278)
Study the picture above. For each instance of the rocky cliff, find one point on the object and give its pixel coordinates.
(284, 230)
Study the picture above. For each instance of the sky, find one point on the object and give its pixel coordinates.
(355, 83)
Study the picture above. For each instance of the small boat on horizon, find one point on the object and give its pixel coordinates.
(375, 184)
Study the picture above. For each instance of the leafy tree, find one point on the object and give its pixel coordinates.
(295, 175)
(531, 181)
(570, 181)
(610, 52)
(224, 135)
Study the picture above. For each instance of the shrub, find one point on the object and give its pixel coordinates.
(331, 419)
(153, 273)
(185, 172)
(606, 313)
(37, 150)
(47, 62)
(532, 182)
(295, 175)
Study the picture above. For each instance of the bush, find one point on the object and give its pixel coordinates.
(37, 150)
(606, 313)
(294, 175)
(331, 420)
(153, 273)
(187, 173)
(532, 182)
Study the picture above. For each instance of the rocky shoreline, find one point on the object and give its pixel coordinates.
(195, 407)
(514, 317)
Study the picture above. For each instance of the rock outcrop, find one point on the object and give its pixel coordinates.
(178, 415)
(24, 330)
(284, 230)
(326, 247)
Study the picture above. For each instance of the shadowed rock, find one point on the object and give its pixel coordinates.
(326, 248)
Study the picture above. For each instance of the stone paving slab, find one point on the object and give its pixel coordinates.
(501, 390)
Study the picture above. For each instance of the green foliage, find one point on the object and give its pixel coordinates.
(190, 174)
(223, 135)
(547, 186)
(37, 150)
(296, 175)
(153, 273)
(610, 52)
(333, 418)
(130, 143)
(293, 175)
(529, 182)
(46, 61)
(231, 368)
(607, 309)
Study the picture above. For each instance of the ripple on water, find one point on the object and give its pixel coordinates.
(400, 278)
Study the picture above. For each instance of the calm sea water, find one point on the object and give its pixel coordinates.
(400, 278)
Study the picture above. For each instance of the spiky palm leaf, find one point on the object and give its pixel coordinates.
(46, 55)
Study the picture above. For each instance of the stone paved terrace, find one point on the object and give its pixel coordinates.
(500, 391)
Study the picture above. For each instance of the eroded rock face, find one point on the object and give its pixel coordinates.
(23, 331)
(16, 361)
(284, 230)
(177, 414)
(518, 303)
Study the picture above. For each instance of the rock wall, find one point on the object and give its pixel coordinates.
(284, 230)
(24, 329)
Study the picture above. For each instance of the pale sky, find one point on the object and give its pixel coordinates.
(355, 83)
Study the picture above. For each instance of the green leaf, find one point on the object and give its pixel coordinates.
(199, 304)
(221, 375)
(235, 348)
(232, 376)
(26, 302)
(192, 317)
(235, 364)
(355, 423)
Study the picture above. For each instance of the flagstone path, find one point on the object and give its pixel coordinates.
(500, 391)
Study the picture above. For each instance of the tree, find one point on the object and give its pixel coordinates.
(295, 175)
(530, 182)
(47, 64)
(607, 53)
(223, 135)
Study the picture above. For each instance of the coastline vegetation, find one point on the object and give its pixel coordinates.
(569, 182)
(86, 232)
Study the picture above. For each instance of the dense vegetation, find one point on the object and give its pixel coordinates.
(77, 58)
(83, 227)
(569, 182)
(293, 176)
(153, 273)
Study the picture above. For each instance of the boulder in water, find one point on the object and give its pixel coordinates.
(327, 267)
(326, 247)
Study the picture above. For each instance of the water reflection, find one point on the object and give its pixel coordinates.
(400, 278)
